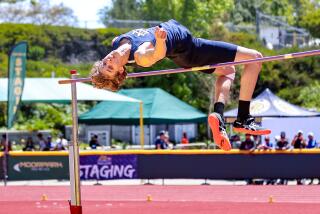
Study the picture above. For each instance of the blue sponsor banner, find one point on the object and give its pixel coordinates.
(107, 167)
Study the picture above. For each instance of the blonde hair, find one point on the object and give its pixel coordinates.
(102, 81)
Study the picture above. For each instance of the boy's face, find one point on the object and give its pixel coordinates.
(112, 65)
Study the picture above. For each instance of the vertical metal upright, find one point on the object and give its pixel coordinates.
(74, 160)
(141, 126)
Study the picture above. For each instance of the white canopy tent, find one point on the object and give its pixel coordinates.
(48, 90)
(279, 115)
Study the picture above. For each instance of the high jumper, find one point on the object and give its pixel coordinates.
(171, 39)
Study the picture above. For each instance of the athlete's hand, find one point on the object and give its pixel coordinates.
(160, 33)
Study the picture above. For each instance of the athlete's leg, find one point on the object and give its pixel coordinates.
(250, 74)
(205, 52)
(224, 79)
(245, 123)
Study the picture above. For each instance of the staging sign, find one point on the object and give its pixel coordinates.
(16, 75)
(38, 167)
(107, 167)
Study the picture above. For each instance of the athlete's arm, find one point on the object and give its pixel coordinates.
(147, 55)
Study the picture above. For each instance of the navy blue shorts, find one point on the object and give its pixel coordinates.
(201, 52)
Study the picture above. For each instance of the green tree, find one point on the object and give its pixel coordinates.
(37, 12)
(36, 53)
(120, 9)
(310, 17)
(161, 10)
(245, 10)
(310, 96)
(198, 16)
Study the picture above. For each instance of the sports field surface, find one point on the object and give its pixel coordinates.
(156, 199)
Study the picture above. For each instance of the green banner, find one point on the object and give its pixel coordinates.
(38, 167)
(16, 75)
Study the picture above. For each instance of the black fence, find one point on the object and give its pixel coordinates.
(235, 166)
(193, 164)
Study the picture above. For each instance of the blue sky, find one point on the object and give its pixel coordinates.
(85, 10)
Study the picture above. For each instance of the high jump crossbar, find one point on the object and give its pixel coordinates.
(206, 67)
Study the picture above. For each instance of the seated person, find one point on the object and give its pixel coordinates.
(4, 142)
(266, 145)
(282, 143)
(312, 143)
(29, 146)
(43, 145)
(94, 142)
(298, 141)
(161, 141)
(61, 143)
(49, 143)
(184, 139)
(167, 139)
(247, 144)
(235, 141)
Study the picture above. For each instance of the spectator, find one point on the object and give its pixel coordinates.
(3, 143)
(247, 144)
(184, 139)
(311, 141)
(298, 141)
(49, 143)
(161, 142)
(167, 139)
(310, 145)
(266, 145)
(61, 143)
(94, 143)
(42, 142)
(256, 139)
(235, 141)
(29, 145)
(282, 143)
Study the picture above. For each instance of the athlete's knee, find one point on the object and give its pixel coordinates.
(226, 79)
(231, 74)
(255, 55)
(228, 72)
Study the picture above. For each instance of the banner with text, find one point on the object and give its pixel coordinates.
(38, 167)
(16, 75)
(107, 167)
